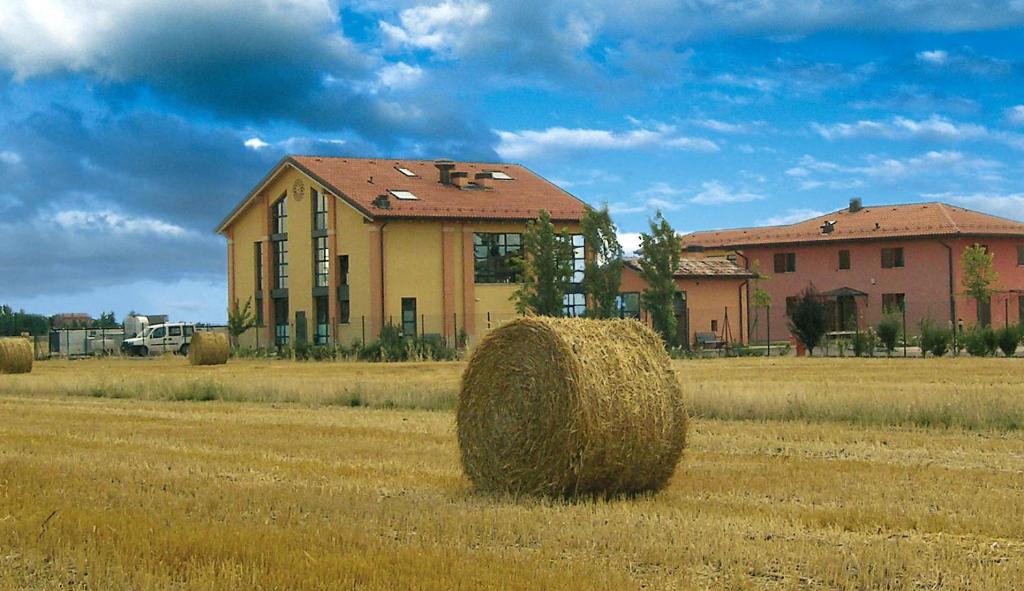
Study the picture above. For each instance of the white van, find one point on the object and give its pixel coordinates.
(173, 337)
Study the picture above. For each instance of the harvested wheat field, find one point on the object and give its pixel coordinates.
(269, 475)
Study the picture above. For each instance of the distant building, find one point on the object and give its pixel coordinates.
(711, 297)
(71, 320)
(332, 249)
(866, 259)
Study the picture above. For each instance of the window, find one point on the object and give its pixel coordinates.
(281, 321)
(791, 303)
(844, 259)
(714, 326)
(259, 311)
(190, 330)
(321, 262)
(404, 195)
(493, 257)
(679, 303)
(281, 264)
(1020, 257)
(893, 301)
(409, 317)
(574, 304)
(159, 333)
(174, 331)
(579, 261)
(257, 251)
(892, 258)
(785, 262)
(500, 176)
(628, 304)
(344, 312)
(280, 215)
(405, 171)
(321, 306)
(319, 210)
(343, 269)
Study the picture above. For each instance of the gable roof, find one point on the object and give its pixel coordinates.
(361, 181)
(915, 220)
(703, 268)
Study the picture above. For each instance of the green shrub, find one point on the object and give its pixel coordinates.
(808, 320)
(934, 339)
(862, 343)
(889, 331)
(392, 346)
(1007, 339)
(980, 341)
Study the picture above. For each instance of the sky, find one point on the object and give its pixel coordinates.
(130, 128)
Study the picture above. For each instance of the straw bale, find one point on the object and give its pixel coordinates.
(16, 355)
(209, 348)
(567, 407)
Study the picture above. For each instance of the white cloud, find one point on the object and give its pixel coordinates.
(255, 143)
(715, 193)
(400, 76)
(9, 157)
(935, 127)
(530, 143)
(730, 128)
(630, 242)
(1009, 205)
(936, 57)
(76, 220)
(1015, 115)
(440, 27)
(818, 174)
(791, 216)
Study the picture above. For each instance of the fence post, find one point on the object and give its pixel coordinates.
(768, 322)
(904, 309)
(488, 321)
(455, 328)
(423, 328)
(67, 339)
(363, 320)
(1006, 311)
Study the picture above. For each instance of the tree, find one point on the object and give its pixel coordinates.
(760, 298)
(659, 258)
(546, 267)
(240, 319)
(809, 320)
(980, 278)
(603, 271)
(107, 320)
(889, 329)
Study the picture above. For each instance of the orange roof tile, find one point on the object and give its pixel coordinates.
(916, 220)
(361, 181)
(705, 267)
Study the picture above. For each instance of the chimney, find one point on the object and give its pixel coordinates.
(445, 167)
(459, 179)
(855, 205)
(483, 180)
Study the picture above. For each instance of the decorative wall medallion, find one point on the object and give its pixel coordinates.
(298, 190)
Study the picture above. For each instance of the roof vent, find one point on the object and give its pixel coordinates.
(445, 167)
(856, 205)
(828, 227)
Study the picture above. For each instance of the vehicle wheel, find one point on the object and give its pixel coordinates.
(143, 351)
(184, 349)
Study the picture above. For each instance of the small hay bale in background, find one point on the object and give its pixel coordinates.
(566, 407)
(16, 355)
(208, 348)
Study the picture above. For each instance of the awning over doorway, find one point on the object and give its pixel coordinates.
(843, 291)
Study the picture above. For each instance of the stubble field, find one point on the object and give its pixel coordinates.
(867, 474)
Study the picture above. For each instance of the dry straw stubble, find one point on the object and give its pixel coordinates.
(209, 348)
(16, 355)
(567, 407)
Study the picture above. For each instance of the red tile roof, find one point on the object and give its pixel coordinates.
(705, 267)
(361, 181)
(916, 220)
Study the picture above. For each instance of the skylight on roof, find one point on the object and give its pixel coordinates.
(501, 176)
(404, 195)
(405, 171)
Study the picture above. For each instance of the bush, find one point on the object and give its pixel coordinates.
(889, 331)
(934, 339)
(864, 343)
(809, 319)
(392, 346)
(980, 341)
(1007, 339)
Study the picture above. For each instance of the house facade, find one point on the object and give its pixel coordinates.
(330, 250)
(711, 297)
(866, 260)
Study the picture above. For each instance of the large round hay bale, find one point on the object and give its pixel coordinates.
(566, 407)
(209, 348)
(16, 355)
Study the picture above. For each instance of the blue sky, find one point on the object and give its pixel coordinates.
(128, 128)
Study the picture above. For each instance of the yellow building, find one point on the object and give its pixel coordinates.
(329, 250)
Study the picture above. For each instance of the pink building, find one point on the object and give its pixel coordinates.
(864, 260)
